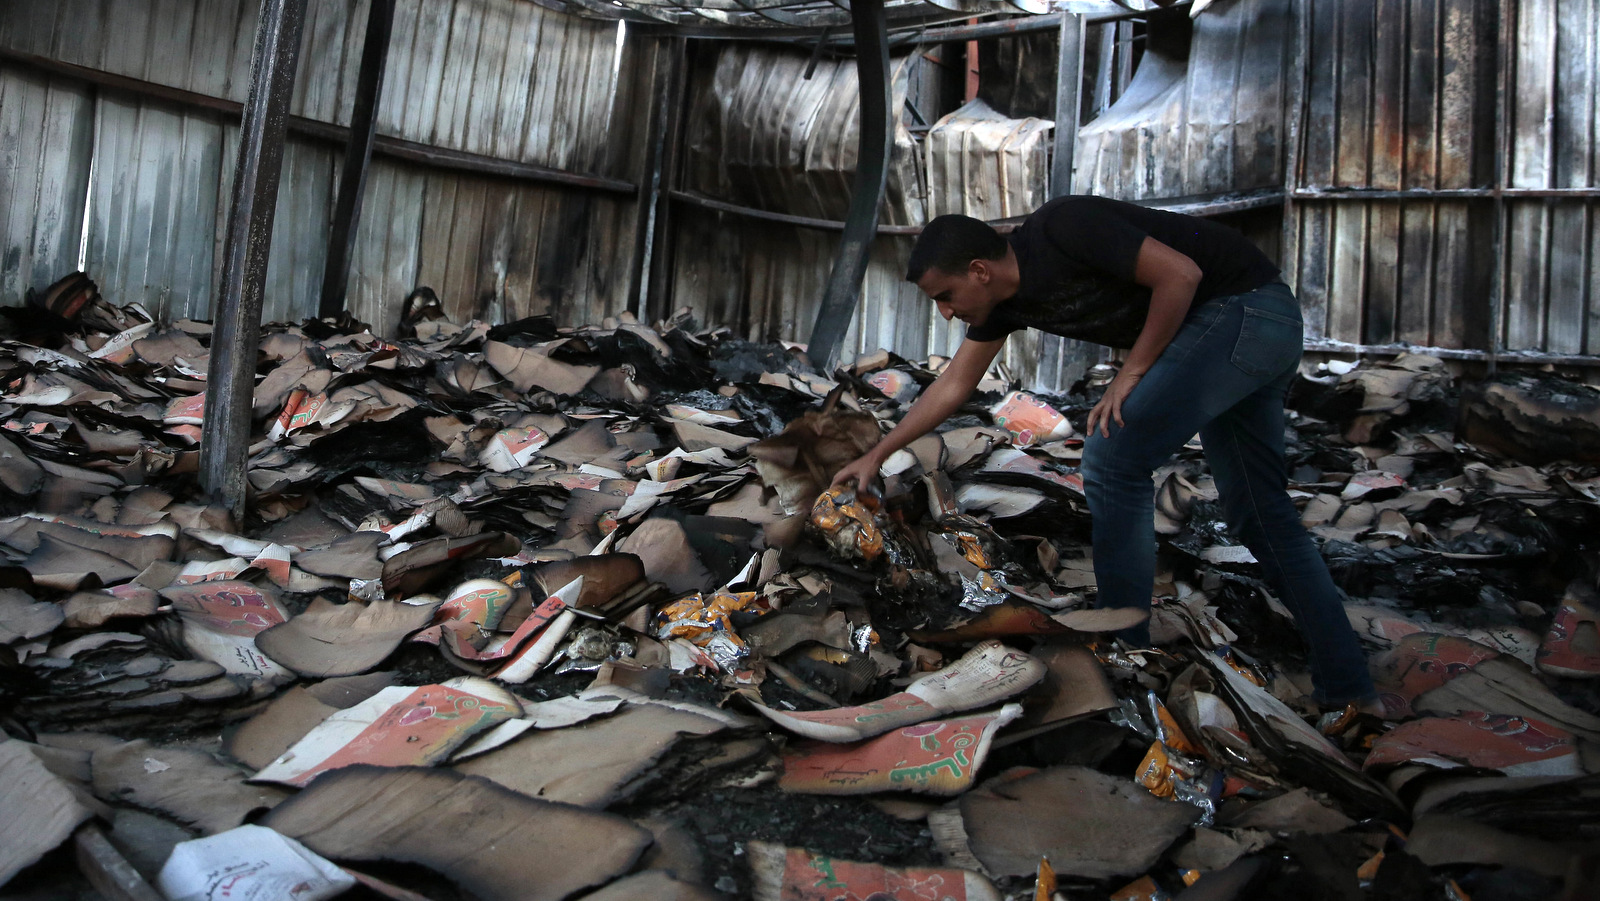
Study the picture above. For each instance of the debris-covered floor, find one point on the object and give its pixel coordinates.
(532, 613)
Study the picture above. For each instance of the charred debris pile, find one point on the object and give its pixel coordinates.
(527, 612)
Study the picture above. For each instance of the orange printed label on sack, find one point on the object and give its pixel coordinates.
(939, 757)
(1029, 419)
(420, 730)
(231, 608)
(512, 448)
(816, 877)
(186, 410)
(894, 384)
(481, 602)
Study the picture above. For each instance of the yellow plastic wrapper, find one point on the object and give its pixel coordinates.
(698, 617)
(847, 523)
(1045, 886)
(1174, 777)
(1155, 771)
(1171, 733)
(972, 549)
(1142, 889)
(1369, 870)
(1245, 671)
(704, 622)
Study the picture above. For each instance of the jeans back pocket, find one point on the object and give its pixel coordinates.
(1268, 343)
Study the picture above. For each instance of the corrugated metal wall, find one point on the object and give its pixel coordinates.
(986, 165)
(1207, 123)
(1442, 188)
(761, 135)
(1402, 96)
(41, 193)
(1410, 106)
(501, 78)
(1553, 280)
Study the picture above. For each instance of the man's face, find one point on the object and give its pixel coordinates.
(964, 296)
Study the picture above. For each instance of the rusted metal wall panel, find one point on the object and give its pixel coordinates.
(46, 144)
(762, 135)
(499, 251)
(1402, 96)
(384, 266)
(764, 280)
(1206, 124)
(306, 192)
(152, 218)
(501, 78)
(987, 166)
(1552, 299)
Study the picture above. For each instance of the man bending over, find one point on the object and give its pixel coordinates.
(1212, 351)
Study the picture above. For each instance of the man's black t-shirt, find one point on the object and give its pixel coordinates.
(1076, 257)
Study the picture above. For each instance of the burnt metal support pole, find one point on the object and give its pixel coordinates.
(357, 154)
(663, 234)
(668, 84)
(230, 383)
(871, 29)
(1069, 88)
(1505, 84)
(1293, 150)
(1076, 356)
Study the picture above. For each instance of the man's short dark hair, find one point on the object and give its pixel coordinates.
(950, 242)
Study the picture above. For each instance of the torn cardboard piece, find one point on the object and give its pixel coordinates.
(37, 810)
(592, 764)
(191, 786)
(794, 874)
(221, 621)
(990, 672)
(472, 831)
(331, 639)
(1088, 823)
(398, 726)
(937, 757)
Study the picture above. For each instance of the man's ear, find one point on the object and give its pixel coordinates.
(980, 270)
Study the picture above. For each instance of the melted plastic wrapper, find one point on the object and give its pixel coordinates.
(984, 591)
(1168, 774)
(848, 524)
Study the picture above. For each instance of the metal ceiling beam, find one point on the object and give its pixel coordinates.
(230, 381)
(876, 141)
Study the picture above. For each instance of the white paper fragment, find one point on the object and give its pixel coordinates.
(250, 863)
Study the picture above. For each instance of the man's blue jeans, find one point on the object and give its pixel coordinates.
(1224, 375)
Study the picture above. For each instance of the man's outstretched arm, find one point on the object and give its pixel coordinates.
(947, 393)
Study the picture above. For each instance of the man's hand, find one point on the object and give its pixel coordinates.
(1109, 409)
(1172, 279)
(861, 471)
